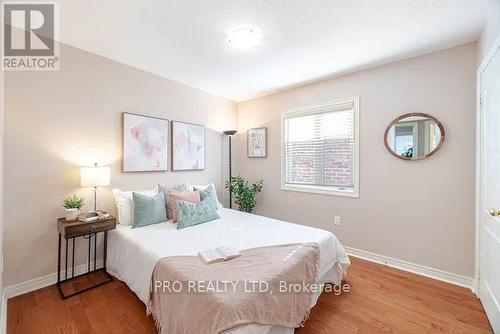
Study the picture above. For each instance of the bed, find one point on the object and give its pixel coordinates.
(133, 253)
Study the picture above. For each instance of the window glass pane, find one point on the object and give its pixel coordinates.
(339, 149)
(319, 149)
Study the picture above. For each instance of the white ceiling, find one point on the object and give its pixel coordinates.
(302, 40)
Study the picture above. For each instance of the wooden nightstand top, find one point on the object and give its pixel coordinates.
(78, 228)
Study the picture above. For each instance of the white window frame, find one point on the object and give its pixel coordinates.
(318, 109)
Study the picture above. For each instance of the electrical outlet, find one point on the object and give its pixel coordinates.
(336, 220)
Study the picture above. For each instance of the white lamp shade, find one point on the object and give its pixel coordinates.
(95, 176)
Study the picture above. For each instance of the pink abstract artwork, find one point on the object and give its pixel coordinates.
(145, 141)
(188, 146)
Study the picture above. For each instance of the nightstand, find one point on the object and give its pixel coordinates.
(88, 231)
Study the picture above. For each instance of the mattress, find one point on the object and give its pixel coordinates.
(133, 253)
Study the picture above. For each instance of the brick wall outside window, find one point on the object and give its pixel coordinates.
(337, 165)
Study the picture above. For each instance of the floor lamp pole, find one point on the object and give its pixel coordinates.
(230, 133)
(230, 170)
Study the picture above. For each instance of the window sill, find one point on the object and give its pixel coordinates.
(321, 190)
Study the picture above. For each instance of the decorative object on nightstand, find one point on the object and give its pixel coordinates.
(230, 134)
(89, 231)
(73, 204)
(88, 217)
(95, 177)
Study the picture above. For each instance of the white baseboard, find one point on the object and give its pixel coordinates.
(475, 287)
(466, 282)
(41, 282)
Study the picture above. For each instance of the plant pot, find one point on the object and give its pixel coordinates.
(72, 214)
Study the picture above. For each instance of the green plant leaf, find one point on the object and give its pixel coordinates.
(243, 193)
(73, 202)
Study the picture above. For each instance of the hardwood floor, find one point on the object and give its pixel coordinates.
(381, 300)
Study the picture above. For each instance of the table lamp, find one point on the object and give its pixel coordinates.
(95, 177)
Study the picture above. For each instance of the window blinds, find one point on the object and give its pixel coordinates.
(319, 148)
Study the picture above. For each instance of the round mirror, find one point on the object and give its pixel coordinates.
(414, 136)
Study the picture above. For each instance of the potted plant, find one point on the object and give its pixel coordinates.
(73, 204)
(244, 193)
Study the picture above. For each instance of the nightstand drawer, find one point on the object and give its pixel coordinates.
(76, 229)
(89, 228)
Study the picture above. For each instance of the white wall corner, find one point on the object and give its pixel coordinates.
(475, 287)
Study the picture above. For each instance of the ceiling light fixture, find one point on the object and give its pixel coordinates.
(244, 36)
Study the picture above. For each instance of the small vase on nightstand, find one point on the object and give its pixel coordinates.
(72, 214)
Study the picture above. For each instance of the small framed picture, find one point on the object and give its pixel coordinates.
(145, 143)
(257, 143)
(188, 146)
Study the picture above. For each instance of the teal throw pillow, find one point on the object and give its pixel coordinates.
(190, 213)
(209, 193)
(148, 210)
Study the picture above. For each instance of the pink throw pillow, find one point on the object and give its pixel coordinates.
(192, 196)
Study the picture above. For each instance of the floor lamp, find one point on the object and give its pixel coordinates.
(230, 134)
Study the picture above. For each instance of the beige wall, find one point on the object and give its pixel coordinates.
(57, 121)
(423, 211)
(491, 29)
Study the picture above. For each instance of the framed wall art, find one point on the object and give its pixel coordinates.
(257, 143)
(145, 143)
(188, 146)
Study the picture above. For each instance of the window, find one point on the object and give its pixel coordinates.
(320, 149)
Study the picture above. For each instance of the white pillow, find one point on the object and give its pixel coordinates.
(204, 186)
(125, 204)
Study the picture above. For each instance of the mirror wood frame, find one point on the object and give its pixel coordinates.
(434, 119)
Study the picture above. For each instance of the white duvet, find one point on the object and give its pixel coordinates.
(133, 253)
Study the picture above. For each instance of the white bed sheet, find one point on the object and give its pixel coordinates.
(133, 253)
